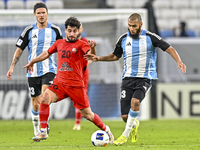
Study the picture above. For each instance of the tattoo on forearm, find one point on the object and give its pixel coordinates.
(16, 59)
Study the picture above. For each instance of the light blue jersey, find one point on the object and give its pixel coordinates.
(38, 41)
(139, 54)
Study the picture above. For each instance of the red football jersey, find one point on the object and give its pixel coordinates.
(70, 61)
(86, 72)
(84, 39)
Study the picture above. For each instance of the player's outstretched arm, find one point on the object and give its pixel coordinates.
(16, 58)
(44, 55)
(177, 58)
(93, 57)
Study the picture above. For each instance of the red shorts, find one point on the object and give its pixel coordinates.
(77, 94)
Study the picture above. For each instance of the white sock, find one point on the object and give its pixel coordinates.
(35, 121)
(129, 125)
(134, 124)
(132, 115)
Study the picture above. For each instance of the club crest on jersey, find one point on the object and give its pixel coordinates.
(142, 42)
(74, 50)
(65, 67)
(48, 35)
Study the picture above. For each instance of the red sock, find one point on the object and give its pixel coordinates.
(44, 115)
(78, 116)
(98, 122)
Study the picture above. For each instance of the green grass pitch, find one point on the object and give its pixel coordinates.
(153, 135)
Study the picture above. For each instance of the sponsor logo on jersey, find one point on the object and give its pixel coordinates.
(128, 44)
(65, 67)
(34, 36)
(19, 42)
(74, 50)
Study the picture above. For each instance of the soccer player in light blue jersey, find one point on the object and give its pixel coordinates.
(138, 48)
(38, 37)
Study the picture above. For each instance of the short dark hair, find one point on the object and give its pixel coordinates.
(72, 22)
(39, 5)
(135, 16)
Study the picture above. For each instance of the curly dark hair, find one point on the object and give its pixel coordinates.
(72, 22)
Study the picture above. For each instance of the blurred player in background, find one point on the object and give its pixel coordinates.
(181, 30)
(69, 79)
(38, 37)
(138, 48)
(78, 116)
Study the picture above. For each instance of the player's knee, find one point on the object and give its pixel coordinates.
(45, 98)
(136, 102)
(88, 116)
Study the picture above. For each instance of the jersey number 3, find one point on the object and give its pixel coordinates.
(123, 94)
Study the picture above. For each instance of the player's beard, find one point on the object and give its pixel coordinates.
(136, 35)
(70, 40)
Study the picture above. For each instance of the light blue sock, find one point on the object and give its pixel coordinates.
(132, 115)
(34, 112)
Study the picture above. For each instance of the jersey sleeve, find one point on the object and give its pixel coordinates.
(59, 35)
(85, 47)
(118, 48)
(23, 40)
(53, 48)
(157, 41)
(58, 31)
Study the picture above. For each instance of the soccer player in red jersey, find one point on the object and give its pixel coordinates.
(69, 78)
(78, 116)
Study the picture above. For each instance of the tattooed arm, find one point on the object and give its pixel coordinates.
(16, 58)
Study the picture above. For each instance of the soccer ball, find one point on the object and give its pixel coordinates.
(100, 138)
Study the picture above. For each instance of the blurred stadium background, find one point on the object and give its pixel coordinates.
(174, 95)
